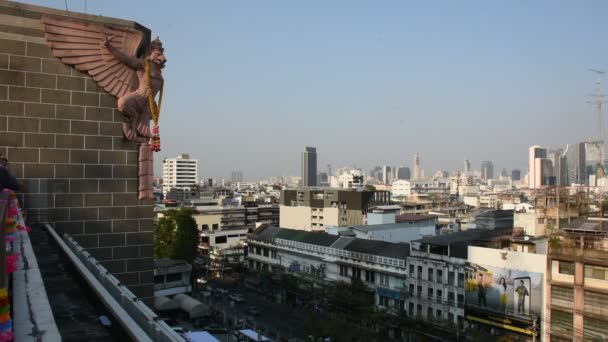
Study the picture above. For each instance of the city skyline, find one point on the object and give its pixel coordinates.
(371, 84)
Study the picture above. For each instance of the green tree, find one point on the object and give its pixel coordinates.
(164, 237)
(176, 236)
(186, 236)
(370, 188)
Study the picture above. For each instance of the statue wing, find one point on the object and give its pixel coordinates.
(82, 46)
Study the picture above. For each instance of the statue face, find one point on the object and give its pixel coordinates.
(157, 57)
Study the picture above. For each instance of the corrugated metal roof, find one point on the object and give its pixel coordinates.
(381, 248)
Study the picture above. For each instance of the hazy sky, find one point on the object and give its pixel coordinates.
(249, 83)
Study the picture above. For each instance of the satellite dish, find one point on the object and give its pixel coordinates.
(526, 238)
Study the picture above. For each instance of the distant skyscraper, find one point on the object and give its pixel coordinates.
(417, 166)
(515, 174)
(236, 176)
(467, 166)
(559, 166)
(309, 166)
(403, 173)
(575, 163)
(535, 173)
(487, 170)
(387, 174)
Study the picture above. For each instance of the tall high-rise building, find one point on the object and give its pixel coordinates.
(575, 163)
(515, 174)
(309, 166)
(467, 166)
(487, 170)
(179, 172)
(236, 176)
(387, 174)
(535, 173)
(417, 166)
(403, 172)
(560, 169)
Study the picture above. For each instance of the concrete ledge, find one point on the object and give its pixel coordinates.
(135, 316)
(32, 315)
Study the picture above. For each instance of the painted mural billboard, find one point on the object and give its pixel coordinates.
(505, 298)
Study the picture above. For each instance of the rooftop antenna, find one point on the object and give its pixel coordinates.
(66, 5)
(597, 99)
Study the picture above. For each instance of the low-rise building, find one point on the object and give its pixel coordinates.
(492, 219)
(577, 291)
(437, 270)
(325, 257)
(171, 277)
(314, 209)
(408, 228)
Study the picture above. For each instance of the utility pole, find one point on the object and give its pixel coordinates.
(597, 99)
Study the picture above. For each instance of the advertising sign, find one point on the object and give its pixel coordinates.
(505, 298)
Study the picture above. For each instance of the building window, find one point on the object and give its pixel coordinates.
(370, 277)
(460, 279)
(273, 254)
(411, 271)
(451, 297)
(384, 279)
(419, 291)
(411, 309)
(430, 293)
(265, 252)
(450, 278)
(215, 226)
(439, 296)
(562, 296)
(356, 273)
(343, 270)
(460, 301)
(418, 310)
(594, 329)
(596, 303)
(419, 272)
(430, 274)
(220, 239)
(596, 272)
(438, 314)
(439, 276)
(171, 277)
(205, 227)
(429, 313)
(400, 304)
(383, 301)
(411, 289)
(566, 267)
(451, 317)
(159, 279)
(562, 322)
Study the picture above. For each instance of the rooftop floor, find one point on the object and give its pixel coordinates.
(75, 307)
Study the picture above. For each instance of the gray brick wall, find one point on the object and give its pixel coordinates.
(63, 137)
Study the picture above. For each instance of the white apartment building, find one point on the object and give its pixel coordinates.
(348, 179)
(428, 186)
(380, 265)
(179, 172)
